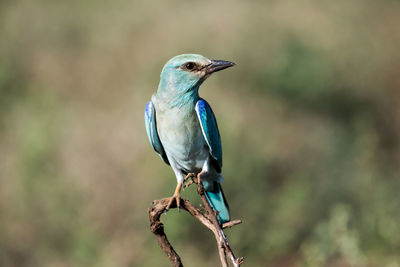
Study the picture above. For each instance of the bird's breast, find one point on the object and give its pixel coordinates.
(182, 138)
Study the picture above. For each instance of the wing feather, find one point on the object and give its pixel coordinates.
(151, 129)
(210, 131)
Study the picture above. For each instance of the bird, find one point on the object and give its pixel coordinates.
(183, 130)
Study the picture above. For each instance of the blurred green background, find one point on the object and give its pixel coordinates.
(309, 118)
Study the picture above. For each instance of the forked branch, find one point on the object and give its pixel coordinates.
(208, 219)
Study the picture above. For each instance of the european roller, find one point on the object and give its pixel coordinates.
(182, 128)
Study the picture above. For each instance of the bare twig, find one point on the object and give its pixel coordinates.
(231, 224)
(209, 219)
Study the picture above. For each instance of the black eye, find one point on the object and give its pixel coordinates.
(190, 65)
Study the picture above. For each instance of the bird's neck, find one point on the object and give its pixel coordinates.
(174, 97)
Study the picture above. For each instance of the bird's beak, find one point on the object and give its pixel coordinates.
(217, 65)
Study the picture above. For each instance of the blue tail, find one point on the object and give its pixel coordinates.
(218, 202)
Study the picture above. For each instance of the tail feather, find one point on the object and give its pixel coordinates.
(218, 202)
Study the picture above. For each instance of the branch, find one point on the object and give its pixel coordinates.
(208, 219)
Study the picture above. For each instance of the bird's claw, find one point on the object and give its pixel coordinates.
(177, 199)
(188, 184)
(186, 179)
(188, 176)
(201, 174)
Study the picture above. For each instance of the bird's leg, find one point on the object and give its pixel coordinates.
(176, 196)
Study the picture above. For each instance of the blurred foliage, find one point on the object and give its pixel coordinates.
(309, 119)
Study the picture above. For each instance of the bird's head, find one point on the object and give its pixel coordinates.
(185, 73)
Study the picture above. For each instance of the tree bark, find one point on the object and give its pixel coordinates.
(208, 219)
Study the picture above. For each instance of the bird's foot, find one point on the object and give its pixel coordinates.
(200, 175)
(199, 179)
(194, 178)
(176, 196)
(189, 182)
(189, 176)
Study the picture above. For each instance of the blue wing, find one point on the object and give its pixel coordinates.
(151, 129)
(210, 131)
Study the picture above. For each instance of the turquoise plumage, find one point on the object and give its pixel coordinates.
(210, 130)
(151, 129)
(182, 127)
